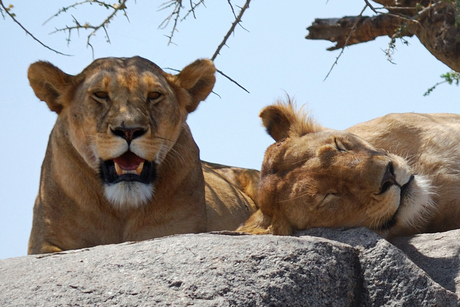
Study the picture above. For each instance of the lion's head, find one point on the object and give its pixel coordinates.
(317, 177)
(123, 116)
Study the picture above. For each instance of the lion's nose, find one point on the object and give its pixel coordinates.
(389, 178)
(129, 134)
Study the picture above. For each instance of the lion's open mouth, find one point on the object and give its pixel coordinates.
(128, 167)
(392, 221)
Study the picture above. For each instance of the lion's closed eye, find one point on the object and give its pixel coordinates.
(339, 145)
(329, 198)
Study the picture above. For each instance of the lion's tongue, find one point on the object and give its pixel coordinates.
(128, 163)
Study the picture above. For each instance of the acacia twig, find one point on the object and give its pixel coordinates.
(193, 6)
(176, 14)
(239, 85)
(346, 41)
(27, 31)
(231, 30)
(121, 6)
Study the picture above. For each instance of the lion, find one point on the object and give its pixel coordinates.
(121, 163)
(397, 175)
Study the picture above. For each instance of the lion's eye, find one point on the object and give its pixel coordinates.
(339, 145)
(154, 96)
(328, 198)
(101, 95)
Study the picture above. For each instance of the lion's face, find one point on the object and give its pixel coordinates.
(123, 116)
(315, 177)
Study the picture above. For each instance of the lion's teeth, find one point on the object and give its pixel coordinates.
(121, 171)
(140, 168)
(118, 169)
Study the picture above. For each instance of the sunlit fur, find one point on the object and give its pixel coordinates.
(121, 163)
(128, 195)
(397, 175)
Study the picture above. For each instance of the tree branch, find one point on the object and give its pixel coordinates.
(176, 14)
(121, 6)
(344, 32)
(352, 30)
(435, 25)
(7, 11)
(239, 85)
(231, 30)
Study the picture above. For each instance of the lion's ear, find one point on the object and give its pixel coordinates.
(282, 120)
(277, 122)
(49, 83)
(198, 79)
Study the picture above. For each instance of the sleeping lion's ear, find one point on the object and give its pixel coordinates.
(49, 83)
(198, 79)
(282, 120)
(277, 121)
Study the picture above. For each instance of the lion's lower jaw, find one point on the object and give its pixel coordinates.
(128, 194)
(418, 204)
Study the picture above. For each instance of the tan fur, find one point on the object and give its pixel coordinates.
(121, 163)
(397, 175)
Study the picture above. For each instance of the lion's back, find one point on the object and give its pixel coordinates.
(230, 194)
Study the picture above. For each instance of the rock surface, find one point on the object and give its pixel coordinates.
(438, 254)
(320, 267)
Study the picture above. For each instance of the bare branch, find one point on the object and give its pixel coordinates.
(7, 11)
(175, 15)
(348, 31)
(353, 30)
(240, 86)
(369, 6)
(433, 22)
(1, 12)
(231, 6)
(232, 29)
(193, 6)
(121, 6)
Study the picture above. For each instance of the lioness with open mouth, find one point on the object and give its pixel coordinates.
(397, 175)
(121, 163)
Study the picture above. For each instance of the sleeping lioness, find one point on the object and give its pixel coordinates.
(121, 163)
(397, 175)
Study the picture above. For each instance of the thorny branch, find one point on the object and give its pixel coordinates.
(433, 22)
(174, 17)
(353, 29)
(232, 29)
(237, 21)
(12, 16)
(121, 6)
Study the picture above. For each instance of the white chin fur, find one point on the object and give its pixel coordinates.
(418, 204)
(128, 195)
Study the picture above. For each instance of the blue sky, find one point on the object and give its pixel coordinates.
(270, 59)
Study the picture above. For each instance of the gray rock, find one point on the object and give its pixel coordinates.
(438, 254)
(324, 268)
(390, 277)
